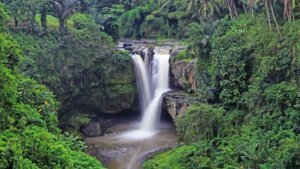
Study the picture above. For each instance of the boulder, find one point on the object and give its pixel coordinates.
(92, 129)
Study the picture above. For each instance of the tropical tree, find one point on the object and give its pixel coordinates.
(288, 5)
(27, 10)
(231, 6)
(44, 8)
(63, 9)
(17, 9)
(35, 6)
(204, 9)
(269, 10)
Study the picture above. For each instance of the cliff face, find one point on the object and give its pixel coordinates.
(183, 72)
(175, 103)
(107, 88)
(87, 76)
(183, 82)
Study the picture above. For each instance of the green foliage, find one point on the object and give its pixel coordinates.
(3, 15)
(108, 18)
(258, 143)
(173, 159)
(80, 68)
(252, 72)
(10, 52)
(182, 55)
(78, 120)
(64, 59)
(25, 12)
(133, 19)
(35, 147)
(29, 136)
(42, 100)
(231, 64)
(80, 21)
(52, 22)
(201, 122)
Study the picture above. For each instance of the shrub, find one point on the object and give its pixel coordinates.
(200, 122)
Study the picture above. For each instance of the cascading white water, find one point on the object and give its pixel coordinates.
(153, 81)
(160, 84)
(144, 81)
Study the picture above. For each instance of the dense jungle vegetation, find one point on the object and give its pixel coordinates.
(248, 73)
(30, 137)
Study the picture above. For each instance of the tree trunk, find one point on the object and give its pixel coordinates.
(230, 11)
(275, 20)
(268, 13)
(62, 26)
(287, 15)
(32, 22)
(16, 21)
(44, 19)
(83, 6)
(234, 8)
(245, 10)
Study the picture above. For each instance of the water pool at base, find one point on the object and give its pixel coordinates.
(119, 152)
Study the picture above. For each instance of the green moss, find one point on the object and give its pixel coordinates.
(78, 120)
(183, 56)
(120, 90)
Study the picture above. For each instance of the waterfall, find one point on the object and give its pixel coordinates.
(143, 81)
(153, 81)
(160, 84)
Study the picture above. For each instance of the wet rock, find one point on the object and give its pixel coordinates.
(182, 71)
(183, 74)
(175, 103)
(137, 46)
(92, 129)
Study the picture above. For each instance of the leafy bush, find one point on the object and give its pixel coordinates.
(200, 122)
(10, 52)
(3, 15)
(36, 147)
(133, 19)
(78, 120)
